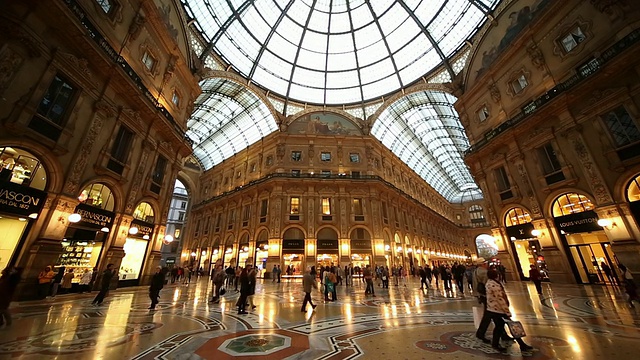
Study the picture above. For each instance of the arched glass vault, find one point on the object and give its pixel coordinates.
(424, 131)
(227, 118)
(336, 51)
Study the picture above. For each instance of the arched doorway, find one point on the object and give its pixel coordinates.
(176, 220)
(262, 252)
(524, 242)
(293, 251)
(585, 241)
(327, 253)
(486, 246)
(228, 258)
(136, 244)
(243, 250)
(361, 253)
(22, 181)
(633, 197)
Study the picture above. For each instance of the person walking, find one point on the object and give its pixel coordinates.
(479, 289)
(613, 279)
(85, 280)
(244, 291)
(329, 285)
(253, 278)
(67, 280)
(279, 273)
(436, 276)
(423, 278)
(368, 277)
(44, 282)
(107, 275)
(630, 286)
(8, 283)
(536, 277)
(157, 282)
(186, 277)
(497, 310)
(274, 273)
(385, 277)
(57, 279)
(218, 277)
(308, 283)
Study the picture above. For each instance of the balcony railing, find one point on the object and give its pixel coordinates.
(114, 56)
(584, 71)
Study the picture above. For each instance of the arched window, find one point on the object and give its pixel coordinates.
(144, 212)
(21, 167)
(363, 234)
(633, 190)
(476, 214)
(327, 234)
(97, 195)
(516, 216)
(571, 203)
(293, 234)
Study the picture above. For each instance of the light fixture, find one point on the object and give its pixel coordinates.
(216, 251)
(513, 238)
(145, 237)
(535, 232)
(606, 223)
(193, 253)
(246, 248)
(399, 249)
(266, 247)
(418, 251)
(74, 218)
(204, 252)
(22, 219)
(409, 250)
(105, 229)
(33, 215)
(168, 238)
(387, 247)
(133, 230)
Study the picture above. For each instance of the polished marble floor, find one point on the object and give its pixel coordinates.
(569, 322)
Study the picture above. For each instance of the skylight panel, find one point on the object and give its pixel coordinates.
(340, 23)
(306, 93)
(310, 78)
(346, 95)
(256, 25)
(341, 80)
(403, 35)
(319, 22)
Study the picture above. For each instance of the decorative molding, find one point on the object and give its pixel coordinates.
(494, 92)
(136, 26)
(11, 30)
(10, 62)
(528, 190)
(81, 65)
(536, 56)
(593, 175)
(137, 181)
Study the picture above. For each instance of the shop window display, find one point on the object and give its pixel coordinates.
(12, 229)
(135, 250)
(80, 256)
(22, 168)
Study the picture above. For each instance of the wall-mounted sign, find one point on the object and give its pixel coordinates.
(361, 245)
(327, 244)
(293, 244)
(144, 229)
(520, 232)
(585, 221)
(20, 200)
(93, 217)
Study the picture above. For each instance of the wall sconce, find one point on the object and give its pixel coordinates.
(105, 229)
(215, 251)
(145, 237)
(399, 249)
(418, 251)
(33, 216)
(387, 247)
(535, 232)
(266, 247)
(409, 250)
(228, 251)
(193, 253)
(74, 218)
(168, 238)
(607, 223)
(204, 252)
(133, 230)
(246, 249)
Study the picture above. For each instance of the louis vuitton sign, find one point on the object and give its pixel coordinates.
(520, 232)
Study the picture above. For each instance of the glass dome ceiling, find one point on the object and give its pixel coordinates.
(424, 131)
(336, 51)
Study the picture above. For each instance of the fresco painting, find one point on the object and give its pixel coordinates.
(518, 17)
(319, 123)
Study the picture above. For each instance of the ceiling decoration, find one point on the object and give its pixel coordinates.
(424, 131)
(227, 118)
(336, 52)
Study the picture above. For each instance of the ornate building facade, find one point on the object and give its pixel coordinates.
(550, 104)
(95, 97)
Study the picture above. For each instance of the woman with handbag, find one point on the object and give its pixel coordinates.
(498, 311)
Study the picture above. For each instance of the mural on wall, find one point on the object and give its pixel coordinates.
(510, 23)
(320, 123)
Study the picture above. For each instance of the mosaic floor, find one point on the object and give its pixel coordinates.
(570, 322)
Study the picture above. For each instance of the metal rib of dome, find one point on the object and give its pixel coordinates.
(226, 119)
(336, 52)
(424, 131)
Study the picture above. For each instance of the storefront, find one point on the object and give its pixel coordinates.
(261, 256)
(243, 251)
(293, 257)
(361, 253)
(86, 235)
(228, 257)
(585, 241)
(22, 181)
(524, 242)
(136, 244)
(327, 253)
(19, 207)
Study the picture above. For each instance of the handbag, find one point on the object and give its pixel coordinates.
(223, 291)
(516, 329)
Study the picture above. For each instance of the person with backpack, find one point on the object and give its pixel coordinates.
(218, 277)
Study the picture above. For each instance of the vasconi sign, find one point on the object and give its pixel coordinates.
(20, 200)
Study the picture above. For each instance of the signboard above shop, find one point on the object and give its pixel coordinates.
(145, 229)
(520, 232)
(293, 244)
(586, 221)
(21, 200)
(361, 244)
(328, 244)
(93, 217)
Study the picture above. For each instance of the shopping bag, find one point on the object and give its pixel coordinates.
(516, 329)
(330, 287)
(478, 312)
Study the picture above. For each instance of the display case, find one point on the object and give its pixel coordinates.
(79, 255)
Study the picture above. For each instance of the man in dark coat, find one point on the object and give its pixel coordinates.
(8, 283)
(107, 275)
(157, 282)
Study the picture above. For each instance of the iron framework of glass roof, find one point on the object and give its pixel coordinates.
(336, 51)
(227, 118)
(424, 131)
